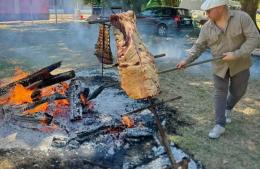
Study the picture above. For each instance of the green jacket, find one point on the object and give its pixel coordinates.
(240, 37)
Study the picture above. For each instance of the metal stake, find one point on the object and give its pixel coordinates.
(103, 51)
(164, 140)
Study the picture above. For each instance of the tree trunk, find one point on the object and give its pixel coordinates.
(250, 6)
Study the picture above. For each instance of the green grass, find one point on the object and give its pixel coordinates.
(239, 147)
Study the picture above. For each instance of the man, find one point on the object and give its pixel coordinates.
(233, 35)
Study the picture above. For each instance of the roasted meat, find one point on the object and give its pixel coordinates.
(138, 73)
(103, 45)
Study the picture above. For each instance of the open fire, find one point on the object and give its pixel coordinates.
(105, 124)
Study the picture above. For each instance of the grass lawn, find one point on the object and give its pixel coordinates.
(239, 147)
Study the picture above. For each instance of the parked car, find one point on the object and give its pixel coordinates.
(199, 17)
(162, 20)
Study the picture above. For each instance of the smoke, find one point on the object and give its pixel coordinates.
(32, 47)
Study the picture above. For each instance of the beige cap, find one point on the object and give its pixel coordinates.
(209, 4)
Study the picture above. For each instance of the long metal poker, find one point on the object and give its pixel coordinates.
(192, 64)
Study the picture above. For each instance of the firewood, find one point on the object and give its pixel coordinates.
(76, 109)
(18, 109)
(39, 75)
(53, 80)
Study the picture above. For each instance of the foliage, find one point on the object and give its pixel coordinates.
(250, 7)
(153, 3)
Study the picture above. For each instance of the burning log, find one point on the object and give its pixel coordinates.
(36, 95)
(40, 75)
(53, 79)
(84, 97)
(103, 50)
(39, 117)
(18, 109)
(129, 122)
(49, 99)
(138, 132)
(96, 92)
(138, 73)
(87, 135)
(79, 98)
(76, 110)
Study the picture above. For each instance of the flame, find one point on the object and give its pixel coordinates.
(62, 107)
(126, 120)
(19, 74)
(20, 95)
(86, 102)
(4, 100)
(43, 107)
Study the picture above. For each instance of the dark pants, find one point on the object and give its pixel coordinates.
(228, 92)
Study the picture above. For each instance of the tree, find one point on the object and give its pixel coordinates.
(152, 3)
(250, 6)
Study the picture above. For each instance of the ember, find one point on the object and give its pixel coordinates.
(128, 121)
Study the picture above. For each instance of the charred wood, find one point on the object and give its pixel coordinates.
(76, 109)
(96, 92)
(93, 132)
(39, 75)
(36, 95)
(39, 117)
(59, 142)
(86, 92)
(53, 80)
(18, 109)
(45, 99)
(138, 133)
(100, 89)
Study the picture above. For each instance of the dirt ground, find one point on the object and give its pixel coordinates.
(32, 46)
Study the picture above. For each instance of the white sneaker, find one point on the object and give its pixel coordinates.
(216, 131)
(228, 116)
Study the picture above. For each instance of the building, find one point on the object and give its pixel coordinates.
(13, 10)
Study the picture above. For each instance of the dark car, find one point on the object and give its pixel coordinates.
(162, 20)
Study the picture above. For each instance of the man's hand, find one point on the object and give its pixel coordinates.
(229, 56)
(181, 64)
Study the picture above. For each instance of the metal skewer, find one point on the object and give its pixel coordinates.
(151, 106)
(116, 64)
(164, 140)
(192, 64)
